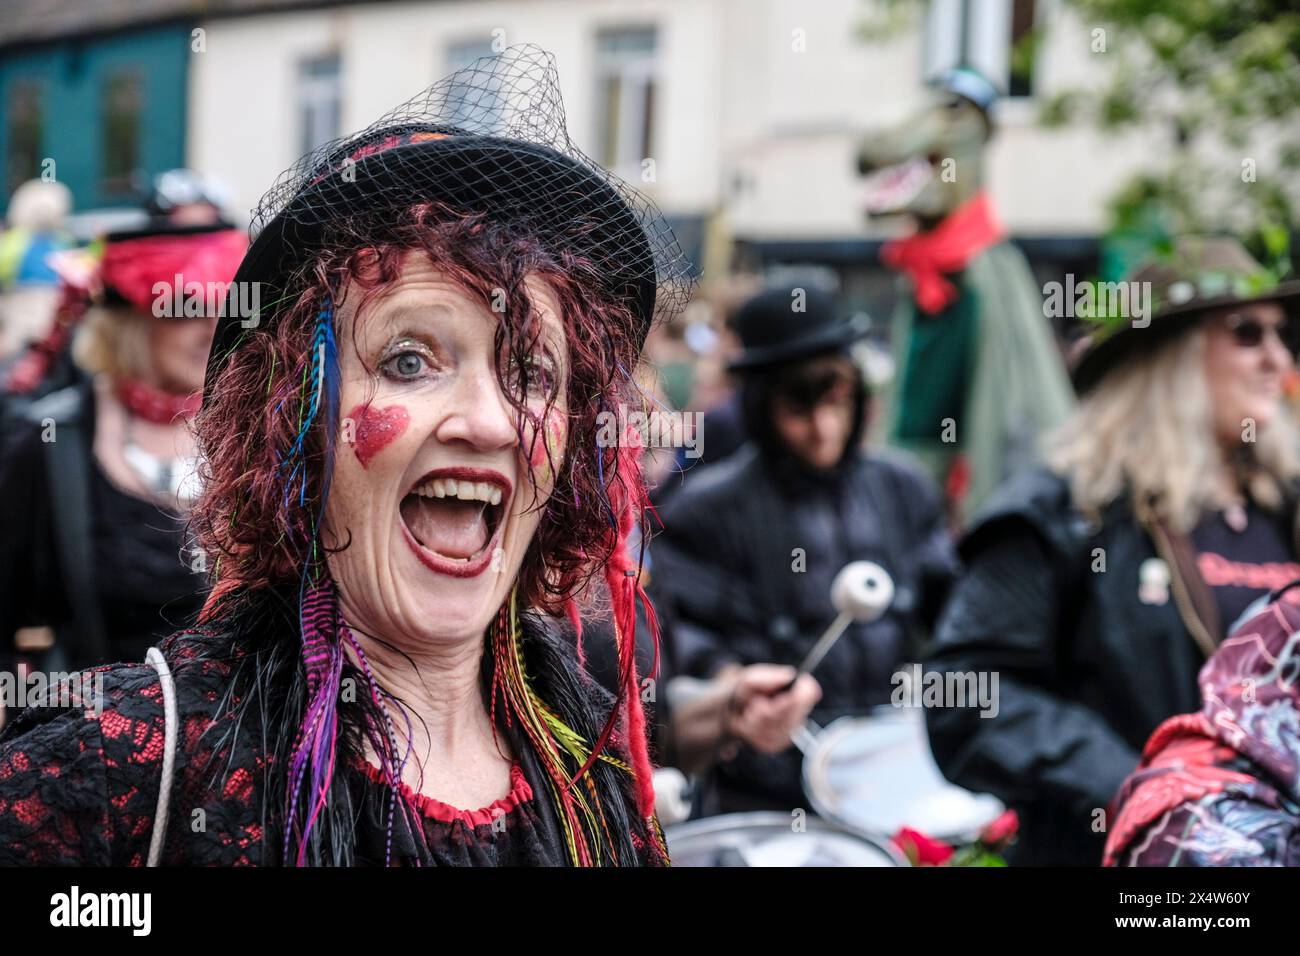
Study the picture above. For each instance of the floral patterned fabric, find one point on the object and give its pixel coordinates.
(1222, 787)
(81, 788)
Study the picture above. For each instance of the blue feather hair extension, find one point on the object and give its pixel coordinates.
(313, 756)
(320, 385)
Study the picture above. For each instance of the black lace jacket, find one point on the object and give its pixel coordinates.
(80, 787)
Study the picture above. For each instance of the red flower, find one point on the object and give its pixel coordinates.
(921, 849)
(1001, 830)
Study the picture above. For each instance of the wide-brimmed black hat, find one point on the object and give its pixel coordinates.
(1200, 274)
(788, 322)
(489, 139)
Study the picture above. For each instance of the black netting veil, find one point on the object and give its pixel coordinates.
(489, 138)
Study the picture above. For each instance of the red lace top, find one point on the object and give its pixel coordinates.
(81, 788)
(520, 792)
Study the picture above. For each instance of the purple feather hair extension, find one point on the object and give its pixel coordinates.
(314, 749)
(391, 776)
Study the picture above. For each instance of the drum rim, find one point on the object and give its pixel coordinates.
(840, 727)
(705, 826)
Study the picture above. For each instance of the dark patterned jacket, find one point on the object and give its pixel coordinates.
(1221, 787)
(80, 786)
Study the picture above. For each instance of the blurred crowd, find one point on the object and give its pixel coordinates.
(1099, 533)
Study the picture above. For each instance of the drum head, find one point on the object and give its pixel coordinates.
(769, 839)
(876, 775)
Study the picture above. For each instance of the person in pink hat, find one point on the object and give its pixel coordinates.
(96, 476)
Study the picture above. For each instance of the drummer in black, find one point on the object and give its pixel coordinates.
(750, 545)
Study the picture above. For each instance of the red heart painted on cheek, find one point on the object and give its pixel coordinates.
(376, 429)
(543, 451)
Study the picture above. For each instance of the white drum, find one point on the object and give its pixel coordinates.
(875, 775)
(769, 839)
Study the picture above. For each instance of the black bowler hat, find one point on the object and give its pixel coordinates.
(788, 322)
(489, 139)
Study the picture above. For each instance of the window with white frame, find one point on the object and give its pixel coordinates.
(320, 98)
(995, 37)
(625, 96)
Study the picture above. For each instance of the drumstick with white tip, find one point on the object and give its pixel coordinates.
(862, 591)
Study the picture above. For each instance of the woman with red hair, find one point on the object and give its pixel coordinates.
(404, 497)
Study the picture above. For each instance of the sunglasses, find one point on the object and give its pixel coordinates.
(1249, 332)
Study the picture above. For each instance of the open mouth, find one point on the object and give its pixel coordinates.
(892, 188)
(453, 517)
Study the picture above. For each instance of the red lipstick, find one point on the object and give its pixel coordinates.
(480, 562)
(470, 474)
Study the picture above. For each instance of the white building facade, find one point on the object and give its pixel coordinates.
(749, 109)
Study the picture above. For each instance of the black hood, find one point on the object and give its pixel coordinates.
(789, 468)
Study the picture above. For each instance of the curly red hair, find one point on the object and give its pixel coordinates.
(255, 403)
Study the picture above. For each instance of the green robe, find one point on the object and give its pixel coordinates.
(989, 363)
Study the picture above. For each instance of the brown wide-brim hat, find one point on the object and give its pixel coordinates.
(1203, 273)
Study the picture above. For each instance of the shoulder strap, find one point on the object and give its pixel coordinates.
(1192, 596)
(170, 722)
(67, 467)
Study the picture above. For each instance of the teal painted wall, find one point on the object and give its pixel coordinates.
(72, 78)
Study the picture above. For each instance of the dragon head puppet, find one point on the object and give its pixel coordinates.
(932, 162)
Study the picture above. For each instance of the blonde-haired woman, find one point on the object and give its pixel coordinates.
(1097, 585)
(96, 476)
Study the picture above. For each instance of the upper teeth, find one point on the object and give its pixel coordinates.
(464, 490)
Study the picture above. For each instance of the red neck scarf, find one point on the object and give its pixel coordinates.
(926, 256)
(153, 404)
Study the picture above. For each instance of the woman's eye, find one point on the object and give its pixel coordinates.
(405, 365)
(540, 374)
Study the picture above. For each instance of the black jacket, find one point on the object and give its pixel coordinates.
(1086, 669)
(743, 569)
(80, 786)
(112, 574)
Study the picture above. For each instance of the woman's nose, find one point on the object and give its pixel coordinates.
(1278, 353)
(479, 413)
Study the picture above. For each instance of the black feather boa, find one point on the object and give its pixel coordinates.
(256, 632)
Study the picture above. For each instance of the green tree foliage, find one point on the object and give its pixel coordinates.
(1222, 77)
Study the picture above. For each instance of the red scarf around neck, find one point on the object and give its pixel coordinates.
(926, 256)
(153, 404)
